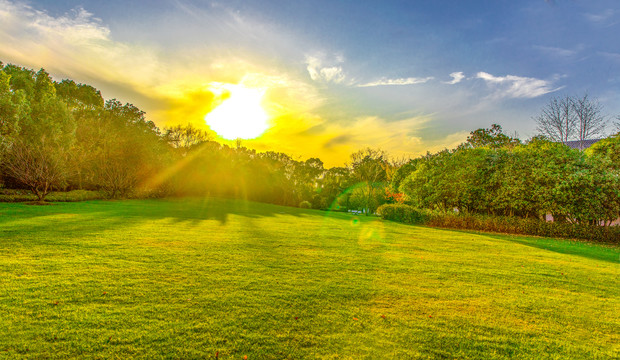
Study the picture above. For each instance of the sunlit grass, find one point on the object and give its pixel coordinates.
(190, 278)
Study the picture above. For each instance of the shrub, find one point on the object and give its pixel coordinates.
(527, 226)
(403, 213)
(501, 224)
(13, 195)
(74, 195)
(305, 205)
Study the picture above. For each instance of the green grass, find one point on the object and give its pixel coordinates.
(186, 279)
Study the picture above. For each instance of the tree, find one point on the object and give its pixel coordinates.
(607, 149)
(368, 169)
(41, 130)
(78, 95)
(590, 120)
(40, 167)
(13, 107)
(493, 137)
(185, 137)
(333, 184)
(129, 149)
(571, 118)
(557, 120)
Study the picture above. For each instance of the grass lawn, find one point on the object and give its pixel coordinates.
(186, 279)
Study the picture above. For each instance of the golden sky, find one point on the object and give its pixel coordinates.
(184, 86)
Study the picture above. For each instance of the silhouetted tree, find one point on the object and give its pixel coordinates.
(185, 137)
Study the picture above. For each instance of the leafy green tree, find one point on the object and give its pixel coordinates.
(333, 184)
(306, 175)
(21, 79)
(402, 172)
(608, 149)
(37, 152)
(13, 107)
(493, 137)
(367, 168)
(129, 150)
(50, 120)
(78, 96)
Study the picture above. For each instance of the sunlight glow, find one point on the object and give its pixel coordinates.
(241, 115)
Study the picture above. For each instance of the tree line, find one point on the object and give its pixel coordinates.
(499, 175)
(65, 136)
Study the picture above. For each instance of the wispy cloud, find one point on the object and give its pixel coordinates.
(556, 51)
(73, 43)
(399, 81)
(320, 72)
(457, 77)
(512, 86)
(612, 56)
(601, 17)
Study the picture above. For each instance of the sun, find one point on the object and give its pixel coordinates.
(241, 115)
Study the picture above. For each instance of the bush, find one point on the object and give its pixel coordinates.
(305, 205)
(403, 213)
(12, 195)
(501, 224)
(529, 226)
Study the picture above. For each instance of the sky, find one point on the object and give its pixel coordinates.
(331, 77)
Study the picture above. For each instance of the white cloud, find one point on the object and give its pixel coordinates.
(400, 81)
(319, 72)
(512, 86)
(73, 43)
(600, 17)
(610, 55)
(556, 51)
(457, 77)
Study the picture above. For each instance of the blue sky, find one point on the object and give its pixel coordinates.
(407, 76)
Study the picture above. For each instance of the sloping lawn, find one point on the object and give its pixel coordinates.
(200, 278)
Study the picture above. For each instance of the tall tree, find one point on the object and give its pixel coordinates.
(590, 119)
(557, 120)
(13, 107)
(129, 149)
(368, 169)
(37, 154)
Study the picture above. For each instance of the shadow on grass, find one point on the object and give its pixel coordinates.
(585, 249)
(95, 216)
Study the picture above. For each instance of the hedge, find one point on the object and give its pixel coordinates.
(502, 224)
(12, 195)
